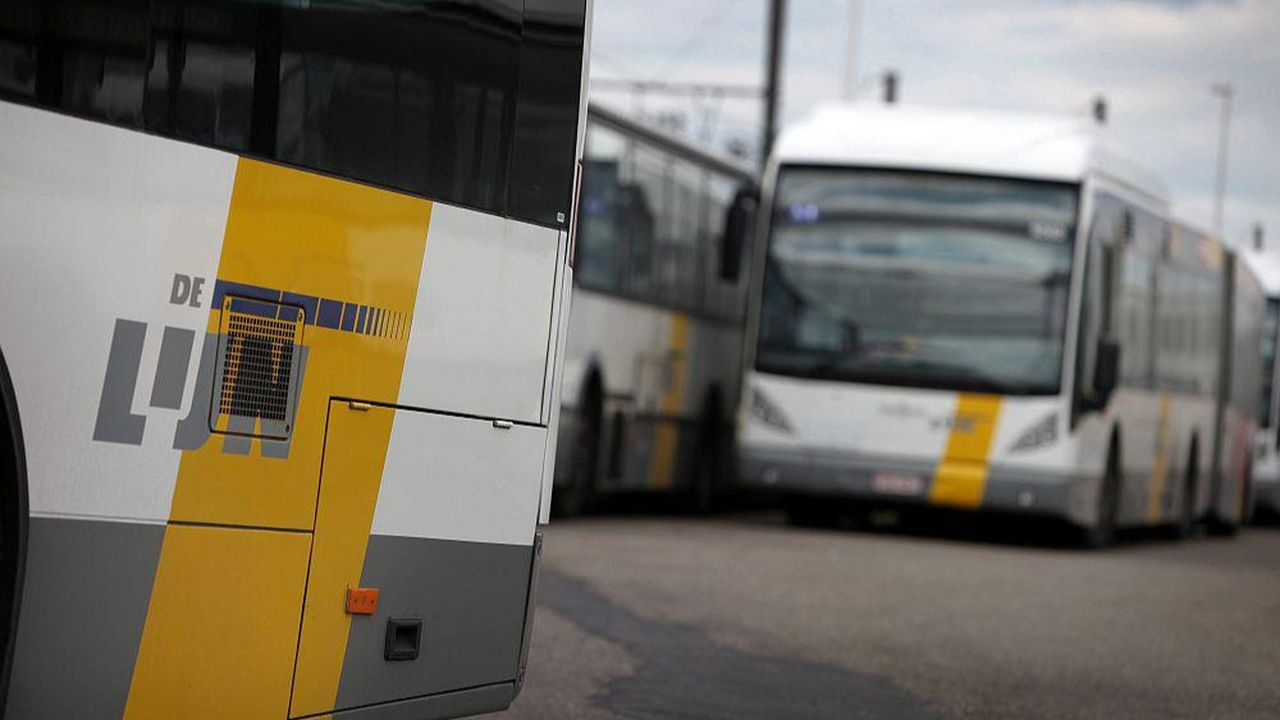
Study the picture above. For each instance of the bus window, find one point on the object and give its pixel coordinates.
(601, 235)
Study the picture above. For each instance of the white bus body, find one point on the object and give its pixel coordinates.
(655, 334)
(282, 296)
(933, 293)
(1266, 461)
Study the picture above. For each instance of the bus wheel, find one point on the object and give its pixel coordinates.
(708, 471)
(812, 513)
(13, 525)
(1182, 529)
(1103, 532)
(580, 494)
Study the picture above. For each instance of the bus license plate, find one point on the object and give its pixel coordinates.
(897, 484)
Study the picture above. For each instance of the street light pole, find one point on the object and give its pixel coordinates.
(853, 32)
(773, 72)
(1224, 92)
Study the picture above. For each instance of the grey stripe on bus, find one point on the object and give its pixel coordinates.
(471, 598)
(116, 422)
(193, 430)
(463, 703)
(171, 368)
(88, 586)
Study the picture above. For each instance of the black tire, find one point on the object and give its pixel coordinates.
(706, 488)
(1103, 532)
(580, 495)
(13, 525)
(1185, 525)
(812, 513)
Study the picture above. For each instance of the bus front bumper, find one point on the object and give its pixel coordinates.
(895, 480)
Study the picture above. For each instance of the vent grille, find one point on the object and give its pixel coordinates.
(257, 368)
(257, 363)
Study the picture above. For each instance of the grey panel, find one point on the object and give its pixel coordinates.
(438, 707)
(85, 601)
(471, 599)
(116, 421)
(171, 368)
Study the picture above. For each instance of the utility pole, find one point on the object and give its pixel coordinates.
(1224, 92)
(773, 73)
(851, 51)
(890, 87)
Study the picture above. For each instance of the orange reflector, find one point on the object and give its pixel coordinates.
(362, 601)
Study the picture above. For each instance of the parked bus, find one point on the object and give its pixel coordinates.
(988, 311)
(1266, 463)
(283, 287)
(655, 336)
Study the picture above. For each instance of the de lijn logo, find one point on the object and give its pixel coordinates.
(118, 423)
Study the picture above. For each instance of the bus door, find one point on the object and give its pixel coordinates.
(391, 614)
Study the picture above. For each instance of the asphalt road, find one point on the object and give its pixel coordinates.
(744, 617)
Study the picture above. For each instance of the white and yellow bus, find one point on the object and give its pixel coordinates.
(655, 337)
(992, 311)
(282, 297)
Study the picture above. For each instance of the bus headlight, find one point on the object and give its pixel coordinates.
(1044, 432)
(764, 410)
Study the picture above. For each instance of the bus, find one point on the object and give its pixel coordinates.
(992, 311)
(1266, 464)
(283, 289)
(654, 348)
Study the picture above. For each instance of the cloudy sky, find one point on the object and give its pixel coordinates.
(1153, 59)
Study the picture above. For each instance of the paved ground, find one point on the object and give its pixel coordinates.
(744, 617)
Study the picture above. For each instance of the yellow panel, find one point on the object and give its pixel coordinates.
(961, 477)
(222, 626)
(1159, 468)
(297, 232)
(667, 433)
(221, 636)
(353, 461)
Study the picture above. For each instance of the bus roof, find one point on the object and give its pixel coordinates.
(1265, 266)
(984, 142)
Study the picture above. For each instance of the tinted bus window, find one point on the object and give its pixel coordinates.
(473, 103)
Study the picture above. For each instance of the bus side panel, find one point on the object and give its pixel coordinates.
(658, 366)
(91, 252)
(96, 224)
(444, 530)
(455, 553)
(484, 311)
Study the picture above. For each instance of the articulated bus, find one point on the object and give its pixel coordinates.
(990, 311)
(655, 336)
(1266, 463)
(283, 288)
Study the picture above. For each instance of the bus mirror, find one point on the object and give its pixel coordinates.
(1106, 370)
(737, 226)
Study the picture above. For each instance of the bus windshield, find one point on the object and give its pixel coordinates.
(914, 279)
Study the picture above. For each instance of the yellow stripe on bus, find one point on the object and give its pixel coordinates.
(961, 478)
(1160, 467)
(667, 433)
(222, 628)
(215, 644)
